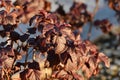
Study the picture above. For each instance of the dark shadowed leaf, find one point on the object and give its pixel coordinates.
(40, 27)
(37, 18)
(25, 48)
(19, 64)
(3, 33)
(14, 35)
(53, 58)
(34, 65)
(41, 44)
(10, 51)
(8, 27)
(3, 43)
(24, 37)
(60, 10)
(31, 20)
(32, 30)
(31, 41)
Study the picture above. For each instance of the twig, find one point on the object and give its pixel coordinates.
(91, 22)
(18, 50)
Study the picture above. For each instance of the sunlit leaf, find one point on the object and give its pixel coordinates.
(60, 41)
(8, 63)
(30, 74)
